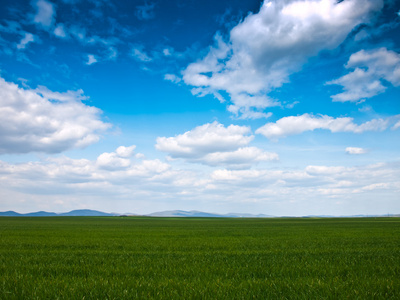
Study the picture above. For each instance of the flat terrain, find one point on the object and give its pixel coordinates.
(199, 258)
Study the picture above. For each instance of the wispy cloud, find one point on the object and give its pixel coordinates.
(173, 78)
(28, 38)
(298, 124)
(139, 54)
(145, 11)
(371, 68)
(355, 150)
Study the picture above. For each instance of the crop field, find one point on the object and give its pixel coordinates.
(199, 258)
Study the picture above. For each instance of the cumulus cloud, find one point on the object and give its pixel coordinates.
(125, 152)
(122, 159)
(112, 161)
(213, 144)
(40, 120)
(267, 47)
(297, 124)
(371, 68)
(63, 174)
(355, 150)
(211, 137)
(45, 13)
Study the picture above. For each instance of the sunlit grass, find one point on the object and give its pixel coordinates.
(117, 258)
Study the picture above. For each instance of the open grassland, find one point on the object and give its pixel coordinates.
(194, 258)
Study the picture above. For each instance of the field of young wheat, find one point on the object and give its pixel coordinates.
(199, 258)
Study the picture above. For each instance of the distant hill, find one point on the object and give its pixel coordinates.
(200, 214)
(75, 213)
(41, 214)
(169, 213)
(182, 213)
(10, 213)
(86, 213)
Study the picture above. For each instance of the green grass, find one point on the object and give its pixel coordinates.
(173, 258)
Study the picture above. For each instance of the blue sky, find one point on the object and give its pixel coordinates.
(279, 107)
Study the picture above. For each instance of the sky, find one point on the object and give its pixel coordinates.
(281, 107)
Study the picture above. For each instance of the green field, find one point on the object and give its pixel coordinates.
(195, 258)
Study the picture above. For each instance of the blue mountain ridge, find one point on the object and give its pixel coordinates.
(75, 213)
(170, 213)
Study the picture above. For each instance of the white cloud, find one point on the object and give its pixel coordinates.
(68, 96)
(306, 122)
(60, 31)
(325, 170)
(314, 186)
(267, 47)
(109, 170)
(28, 38)
(355, 150)
(215, 145)
(44, 121)
(45, 13)
(247, 107)
(91, 59)
(235, 175)
(112, 161)
(239, 159)
(172, 77)
(120, 159)
(139, 54)
(125, 152)
(370, 68)
(358, 85)
(168, 51)
(376, 186)
(208, 138)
